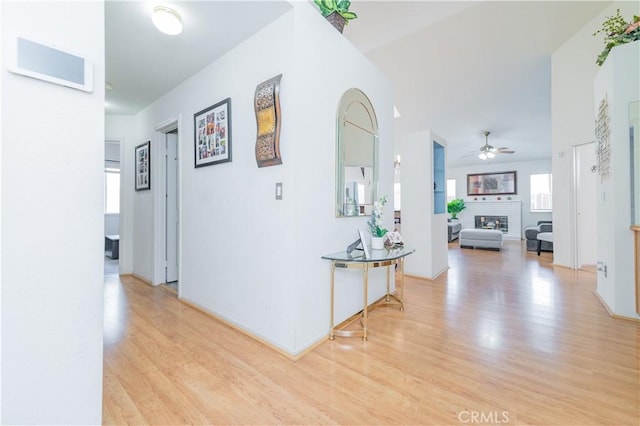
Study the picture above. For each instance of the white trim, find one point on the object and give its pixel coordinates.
(158, 189)
(574, 205)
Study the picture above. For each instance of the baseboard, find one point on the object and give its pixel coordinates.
(417, 277)
(421, 277)
(247, 333)
(611, 313)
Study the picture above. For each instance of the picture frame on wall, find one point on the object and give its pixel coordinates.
(212, 134)
(494, 183)
(143, 166)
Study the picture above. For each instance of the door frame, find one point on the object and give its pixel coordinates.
(158, 153)
(123, 248)
(574, 207)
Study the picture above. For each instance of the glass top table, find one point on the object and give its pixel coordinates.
(356, 259)
(382, 255)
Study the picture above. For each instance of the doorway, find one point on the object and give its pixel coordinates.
(171, 206)
(585, 184)
(112, 195)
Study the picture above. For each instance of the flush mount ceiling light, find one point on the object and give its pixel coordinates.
(167, 20)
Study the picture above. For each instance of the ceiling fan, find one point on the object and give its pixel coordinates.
(488, 151)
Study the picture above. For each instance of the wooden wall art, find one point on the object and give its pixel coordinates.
(267, 105)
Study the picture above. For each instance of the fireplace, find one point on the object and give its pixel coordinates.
(512, 209)
(500, 223)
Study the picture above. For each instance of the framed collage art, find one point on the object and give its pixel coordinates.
(212, 138)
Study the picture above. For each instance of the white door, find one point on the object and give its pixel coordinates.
(586, 179)
(172, 214)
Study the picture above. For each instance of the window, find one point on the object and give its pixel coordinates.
(451, 189)
(111, 190)
(541, 192)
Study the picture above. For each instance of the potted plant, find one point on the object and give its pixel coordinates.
(375, 224)
(454, 207)
(617, 31)
(336, 11)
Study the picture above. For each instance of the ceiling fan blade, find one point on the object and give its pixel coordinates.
(507, 151)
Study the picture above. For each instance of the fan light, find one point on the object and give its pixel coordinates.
(167, 20)
(482, 156)
(490, 154)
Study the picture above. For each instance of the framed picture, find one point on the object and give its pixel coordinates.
(212, 134)
(363, 242)
(143, 166)
(494, 183)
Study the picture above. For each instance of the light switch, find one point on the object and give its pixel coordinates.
(278, 190)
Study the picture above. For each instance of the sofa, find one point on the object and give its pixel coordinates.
(453, 229)
(531, 236)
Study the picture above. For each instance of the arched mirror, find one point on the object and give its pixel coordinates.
(356, 155)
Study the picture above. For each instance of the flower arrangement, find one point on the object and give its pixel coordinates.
(617, 31)
(375, 223)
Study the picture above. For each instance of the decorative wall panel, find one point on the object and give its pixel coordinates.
(267, 106)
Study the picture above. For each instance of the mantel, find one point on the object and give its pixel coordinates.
(493, 202)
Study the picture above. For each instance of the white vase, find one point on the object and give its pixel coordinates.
(377, 243)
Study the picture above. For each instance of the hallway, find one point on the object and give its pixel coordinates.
(502, 334)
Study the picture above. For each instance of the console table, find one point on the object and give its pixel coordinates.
(377, 258)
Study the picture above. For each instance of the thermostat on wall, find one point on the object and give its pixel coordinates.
(49, 63)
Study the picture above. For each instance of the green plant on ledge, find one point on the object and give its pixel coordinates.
(341, 7)
(617, 31)
(455, 206)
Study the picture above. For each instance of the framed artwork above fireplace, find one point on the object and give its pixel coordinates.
(494, 183)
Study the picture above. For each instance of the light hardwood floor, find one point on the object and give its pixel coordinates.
(501, 338)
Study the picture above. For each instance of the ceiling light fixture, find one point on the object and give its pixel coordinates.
(167, 20)
(487, 152)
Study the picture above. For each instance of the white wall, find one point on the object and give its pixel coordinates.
(421, 228)
(1, 257)
(111, 223)
(317, 230)
(573, 69)
(247, 257)
(123, 128)
(618, 81)
(524, 169)
(52, 161)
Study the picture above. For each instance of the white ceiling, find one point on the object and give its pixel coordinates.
(458, 68)
(143, 64)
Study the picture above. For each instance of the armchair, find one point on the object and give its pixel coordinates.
(531, 235)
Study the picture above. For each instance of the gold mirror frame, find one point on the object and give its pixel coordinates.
(356, 155)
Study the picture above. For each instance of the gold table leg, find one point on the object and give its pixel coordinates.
(365, 312)
(397, 296)
(333, 275)
(402, 284)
